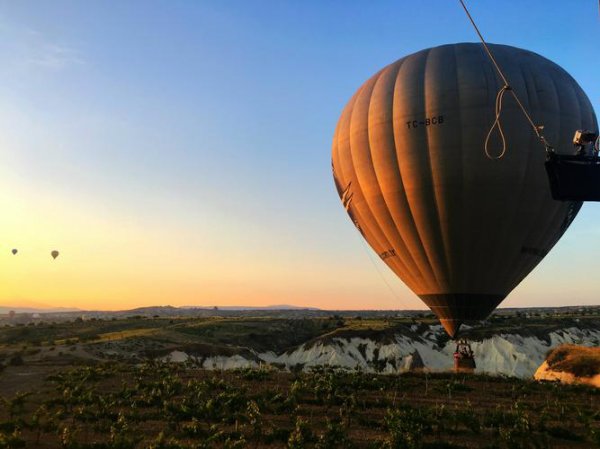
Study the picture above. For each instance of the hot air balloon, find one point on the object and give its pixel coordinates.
(54, 254)
(459, 229)
(14, 252)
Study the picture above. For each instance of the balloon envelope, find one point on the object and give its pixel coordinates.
(14, 251)
(460, 230)
(54, 254)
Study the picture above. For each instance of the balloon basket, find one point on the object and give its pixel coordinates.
(464, 359)
(574, 177)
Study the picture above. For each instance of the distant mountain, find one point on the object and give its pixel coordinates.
(273, 307)
(17, 309)
(149, 309)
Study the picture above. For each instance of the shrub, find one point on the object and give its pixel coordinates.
(334, 437)
(406, 427)
(11, 440)
(300, 436)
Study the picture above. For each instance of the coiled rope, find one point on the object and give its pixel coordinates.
(498, 110)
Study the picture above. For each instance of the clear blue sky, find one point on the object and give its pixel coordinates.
(179, 151)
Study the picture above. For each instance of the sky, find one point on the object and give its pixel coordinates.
(178, 152)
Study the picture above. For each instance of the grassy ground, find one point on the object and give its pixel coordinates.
(171, 406)
(259, 334)
(137, 338)
(89, 385)
(262, 334)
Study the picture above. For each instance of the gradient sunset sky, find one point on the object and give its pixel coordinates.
(178, 152)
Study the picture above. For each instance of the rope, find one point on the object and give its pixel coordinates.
(392, 291)
(498, 110)
(536, 128)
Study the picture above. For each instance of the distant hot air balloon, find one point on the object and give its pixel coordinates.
(461, 230)
(14, 251)
(54, 254)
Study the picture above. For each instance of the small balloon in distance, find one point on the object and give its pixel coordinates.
(14, 251)
(54, 254)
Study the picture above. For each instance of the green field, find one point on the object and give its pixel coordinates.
(158, 405)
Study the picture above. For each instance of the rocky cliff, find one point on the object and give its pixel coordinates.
(513, 353)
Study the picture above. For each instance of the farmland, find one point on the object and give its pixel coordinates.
(166, 405)
(108, 383)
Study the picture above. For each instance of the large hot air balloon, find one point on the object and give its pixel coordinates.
(460, 229)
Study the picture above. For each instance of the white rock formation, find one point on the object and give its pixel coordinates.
(503, 354)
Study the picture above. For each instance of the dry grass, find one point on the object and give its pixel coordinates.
(580, 361)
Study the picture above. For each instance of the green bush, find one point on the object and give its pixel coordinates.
(406, 427)
(301, 436)
(335, 436)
